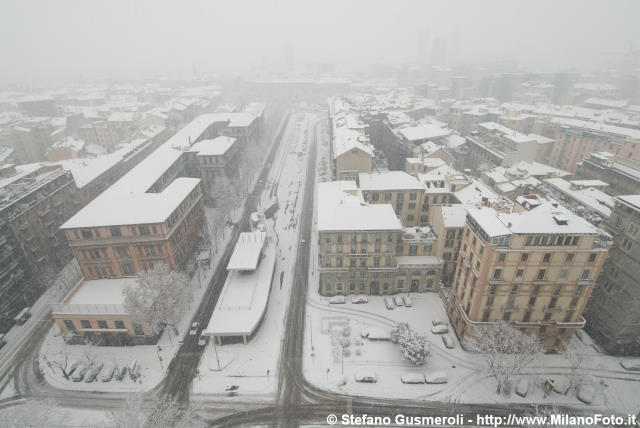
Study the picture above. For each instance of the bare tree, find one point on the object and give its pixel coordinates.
(414, 346)
(504, 350)
(159, 412)
(576, 366)
(160, 298)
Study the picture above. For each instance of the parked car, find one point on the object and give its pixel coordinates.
(108, 372)
(337, 300)
(92, 373)
(22, 316)
(440, 329)
(407, 301)
(435, 377)
(439, 322)
(359, 299)
(398, 301)
(388, 302)
(203, 340)
(2, 342)
(448, 341)
(121, 373)
(366, 377)
(194, 328)
(79, 372)
(412, 378)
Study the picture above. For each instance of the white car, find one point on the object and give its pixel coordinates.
(398, 301)
(388, 302)
(440, 329)
(366, 377)
(194, 328)
(202, 340)
(412, 378)
(407, 301)
(448, 341)
(359, 299)
(439, 322)
(435, 377)
(337, 300)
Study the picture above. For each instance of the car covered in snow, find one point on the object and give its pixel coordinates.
(194, 328)
(412, 378)
(359, 299)
(92, 373)
(202, 340)
(439, 322)
(79, 372)
(388, 302)
(448, 342)
(435, 377)
(407, 301)
(337, 300)
(366, 377)
(398, 300)
(440, 329)
(107, 372)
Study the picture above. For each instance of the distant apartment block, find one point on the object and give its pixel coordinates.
(351, 149)
(622, 175)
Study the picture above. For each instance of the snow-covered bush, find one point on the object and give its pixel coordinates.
(414, 346)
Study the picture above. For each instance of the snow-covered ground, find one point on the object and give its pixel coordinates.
(55, 416)
(327, 367)
(152, 359)
(253, 367)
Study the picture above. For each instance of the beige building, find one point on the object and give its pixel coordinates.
(364, 248)
(448, 223)
(95, 309)
(399, 189)
(535, 269)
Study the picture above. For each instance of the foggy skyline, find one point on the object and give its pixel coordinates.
(71, 40)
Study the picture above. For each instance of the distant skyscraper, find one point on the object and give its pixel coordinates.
(439, 51)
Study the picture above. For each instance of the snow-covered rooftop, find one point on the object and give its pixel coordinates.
(631, 200)
(101, 291)
(388, 180)
(591, 197)
(215, 147)
(455, 216)
(423, 132)
(339, 210)
(247, 251)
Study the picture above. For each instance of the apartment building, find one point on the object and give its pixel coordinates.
(535, 269)
(364, 248)
(448, 223)
(34, 201)
(397, 188)
(614, 311)
(351, 149)
(576, 139)
(622, 175)
(216, 159)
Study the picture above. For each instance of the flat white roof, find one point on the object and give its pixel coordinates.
(591, 197)
(424, 132)
(341, 208)
(102, 291)
(247, 251)
(243, 299)
(631, 200)
(488, 220)
(215, 147)
(388, 180)
(418, 261)
(455, 215)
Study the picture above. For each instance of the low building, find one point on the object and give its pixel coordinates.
(614, 311)
(535, 269)
(94, 310)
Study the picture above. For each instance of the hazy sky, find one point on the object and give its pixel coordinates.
(94, 39)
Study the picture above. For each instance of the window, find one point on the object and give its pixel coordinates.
(87, 233)
(574, 302)
(564, 273)
(585, 274)
(412, 206)
(400, 284)
(69, 325)
(385, 286)
(375, 196)
(497, 274)
(143, 230)
(567, 317)
(122, 252)
(569, 257)
(387, 196)
(120, 324)
(506, 316)
(411, 217)
(413, 250)
(412, 196)
(558, 289)
(514, 288)
(502, 257)
(527, 316)
(592, 257)
(339, 286)
(492, 290)
(485, 316)
(102, 324)
(115, 231)
(429, 283)
(543, 329)
(352, 262)
(137, 329)
(547, 316)
(541, 274)
(339, 238)
(532, 301)
(490, 300)
(85, 323)
(524, 257)
(519, 273)
(376, 261)
(546, 258)
(387, 262)
(377, 248)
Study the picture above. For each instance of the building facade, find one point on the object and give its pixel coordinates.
(534, 269)
(614, 312)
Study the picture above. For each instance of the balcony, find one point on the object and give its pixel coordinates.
(510, 308)
(549, 310)
(496, 281)
(540, 281)
(586, 282)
